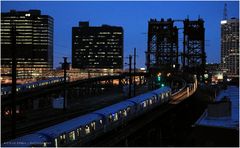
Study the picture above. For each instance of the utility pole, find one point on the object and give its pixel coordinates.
(14, 79)
(130, 75)
(134, 72)
(65, 66)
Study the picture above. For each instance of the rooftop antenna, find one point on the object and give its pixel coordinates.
(225, 12)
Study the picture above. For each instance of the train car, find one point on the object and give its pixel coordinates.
(8, 90)
(33, 85)
(163, 94)
(31, 140)
(5, 90)
(74, 130)
(144, 102)
(84, 128)
(116, 114)
(43, 83)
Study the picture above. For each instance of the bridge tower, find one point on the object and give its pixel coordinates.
(162, 52)
(194, 56)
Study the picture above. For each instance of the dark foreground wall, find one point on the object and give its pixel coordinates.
(213, 136)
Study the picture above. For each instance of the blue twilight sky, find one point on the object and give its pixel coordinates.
(133, 17)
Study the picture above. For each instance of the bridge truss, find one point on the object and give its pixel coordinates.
(194, 56)
(163, 49)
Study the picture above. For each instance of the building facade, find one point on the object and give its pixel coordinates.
(230, 47)
(97, 47)
(34, 42)
(214, 72)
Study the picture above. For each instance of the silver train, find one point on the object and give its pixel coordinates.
(25, 87)
(84, 128)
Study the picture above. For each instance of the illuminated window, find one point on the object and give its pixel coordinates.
(124, 113)
(93, 125)
(167, 94)
(144, 104)
(79, 131)
(44, 144)
(162, 97)
(117, 32)
(62, 139)
(56, 142)
(72, 136)
(87, 129)
(110, 118)
(115, 117)
(150, 101)
(128, 110)
(104, 33)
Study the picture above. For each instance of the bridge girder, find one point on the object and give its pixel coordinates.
(194, 56)
(162, 44)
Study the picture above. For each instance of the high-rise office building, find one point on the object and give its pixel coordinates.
(97, 47)
(34, 42)
(230, 47)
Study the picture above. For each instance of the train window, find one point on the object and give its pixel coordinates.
(62, 139)
(128, 109)
(150, 101)
(87, 129)
(124, 113)
(115, 117)
(56, 142)
(144, 104)
(110, 118)
(100, 121)
(167, 94)
(162, 96)
(79, 131)
(72, 136)
(44, 144)
(93, 125)
(120, 113)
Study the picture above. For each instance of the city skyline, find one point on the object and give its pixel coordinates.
(133, 17)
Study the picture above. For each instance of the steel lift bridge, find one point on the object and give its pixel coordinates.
(163, 49)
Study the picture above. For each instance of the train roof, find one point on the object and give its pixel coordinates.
(26, 141)
(141, 98)
(114, 108)
(161, 90)
(67, 126)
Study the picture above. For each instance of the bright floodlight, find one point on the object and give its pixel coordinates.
(223, 21)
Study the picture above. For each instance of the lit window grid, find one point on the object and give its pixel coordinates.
(26, 30)
(230, 47)
(100, 45)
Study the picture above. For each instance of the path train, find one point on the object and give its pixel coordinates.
(84, 128)
(28, 86)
